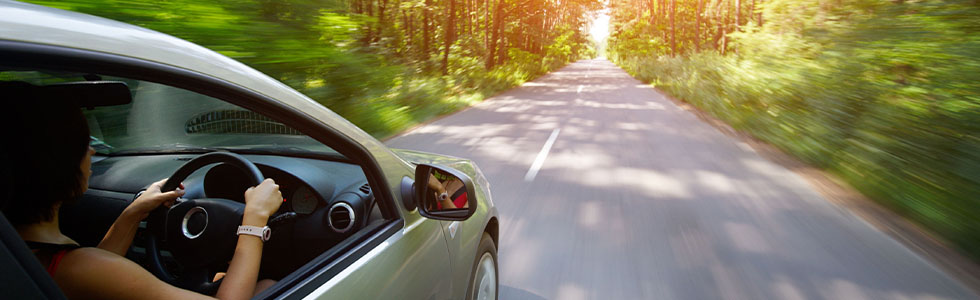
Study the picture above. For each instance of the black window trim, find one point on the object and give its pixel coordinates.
(311, 276)
(320, 269)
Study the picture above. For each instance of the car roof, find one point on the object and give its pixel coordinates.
(37, 24)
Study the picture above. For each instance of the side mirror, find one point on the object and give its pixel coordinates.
(444, 193)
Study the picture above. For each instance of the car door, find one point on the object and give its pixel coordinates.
(413, 263)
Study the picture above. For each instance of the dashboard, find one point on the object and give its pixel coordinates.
(330, 199)
(228, 182)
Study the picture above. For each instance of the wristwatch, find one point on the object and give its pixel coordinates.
(444, 196)
(263, 233)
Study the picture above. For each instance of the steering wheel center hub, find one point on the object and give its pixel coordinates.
(195, 222)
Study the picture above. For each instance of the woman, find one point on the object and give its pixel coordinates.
(50, 165)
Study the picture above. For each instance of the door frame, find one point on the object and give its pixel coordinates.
(48, 57)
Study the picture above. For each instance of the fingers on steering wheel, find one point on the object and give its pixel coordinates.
(159, 183)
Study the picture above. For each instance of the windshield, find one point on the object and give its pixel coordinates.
(163, 118)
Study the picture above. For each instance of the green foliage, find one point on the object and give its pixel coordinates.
(884, 94)
(366, 67)
(632, 41)
(337, 29)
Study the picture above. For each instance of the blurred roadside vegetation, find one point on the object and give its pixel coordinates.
(382, 64)
(886, 94)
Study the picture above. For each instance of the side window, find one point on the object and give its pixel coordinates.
(159, 127)
(162, 116)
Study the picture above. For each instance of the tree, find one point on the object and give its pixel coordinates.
(450, 35)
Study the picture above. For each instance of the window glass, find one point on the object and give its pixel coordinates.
(166, 118)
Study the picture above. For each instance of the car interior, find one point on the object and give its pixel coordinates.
(144, 131)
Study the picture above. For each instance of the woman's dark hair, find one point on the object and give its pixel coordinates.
(46, 142)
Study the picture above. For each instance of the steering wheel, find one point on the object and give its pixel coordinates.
(200, 233)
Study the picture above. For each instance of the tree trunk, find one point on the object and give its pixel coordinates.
(486, 24)
(662, 16)
(382, 5)
(409, 32)
(738, 15)
(760, 15)
(498, 16)
(724, 30)
(673, 28)
(697, 27)
(450, 35)
(426, 29)
(502, 48)
(653, 14)
(369, 32)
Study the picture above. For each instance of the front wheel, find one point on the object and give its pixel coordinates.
(484, 282)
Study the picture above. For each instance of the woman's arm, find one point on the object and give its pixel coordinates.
(120, 235)
(260, 202)
(93, 273)
(97, 274)
(435, 185)
(437, 189)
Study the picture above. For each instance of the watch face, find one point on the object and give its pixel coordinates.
(266, 234)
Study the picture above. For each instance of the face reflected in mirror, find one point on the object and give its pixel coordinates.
(445, 192)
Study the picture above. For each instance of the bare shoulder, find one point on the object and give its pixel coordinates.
(99, 274)
(90, 255)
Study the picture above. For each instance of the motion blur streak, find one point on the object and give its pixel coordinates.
(652, 203)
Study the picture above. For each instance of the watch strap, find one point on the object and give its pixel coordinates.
(263, 233)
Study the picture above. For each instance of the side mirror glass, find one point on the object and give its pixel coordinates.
(444, 193)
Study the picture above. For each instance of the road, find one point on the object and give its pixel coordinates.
(607, 190)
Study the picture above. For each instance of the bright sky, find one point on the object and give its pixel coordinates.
(600, 26)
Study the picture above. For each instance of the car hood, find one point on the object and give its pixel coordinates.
(421, 157)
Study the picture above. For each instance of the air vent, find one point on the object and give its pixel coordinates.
(341, 217)
(236, 121)
(366, 189)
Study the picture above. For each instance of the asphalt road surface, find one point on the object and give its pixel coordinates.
(607, 190)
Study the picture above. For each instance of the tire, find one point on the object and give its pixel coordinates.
(486, 258)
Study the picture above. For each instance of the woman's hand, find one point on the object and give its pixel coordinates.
(120, 235)
(153, 198)
(262, 201)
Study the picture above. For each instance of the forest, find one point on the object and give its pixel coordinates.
(883, 94)
(382, 64)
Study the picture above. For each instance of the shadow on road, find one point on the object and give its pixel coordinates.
(512, 293)
(639, 199)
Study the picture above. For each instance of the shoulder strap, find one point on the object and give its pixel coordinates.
(50, 247)
(55, 260)
(57, 252)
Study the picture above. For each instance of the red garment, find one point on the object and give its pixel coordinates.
(55, 260)
(459, 201)
(55, 251)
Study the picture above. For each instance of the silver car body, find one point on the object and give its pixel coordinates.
(420, 261)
